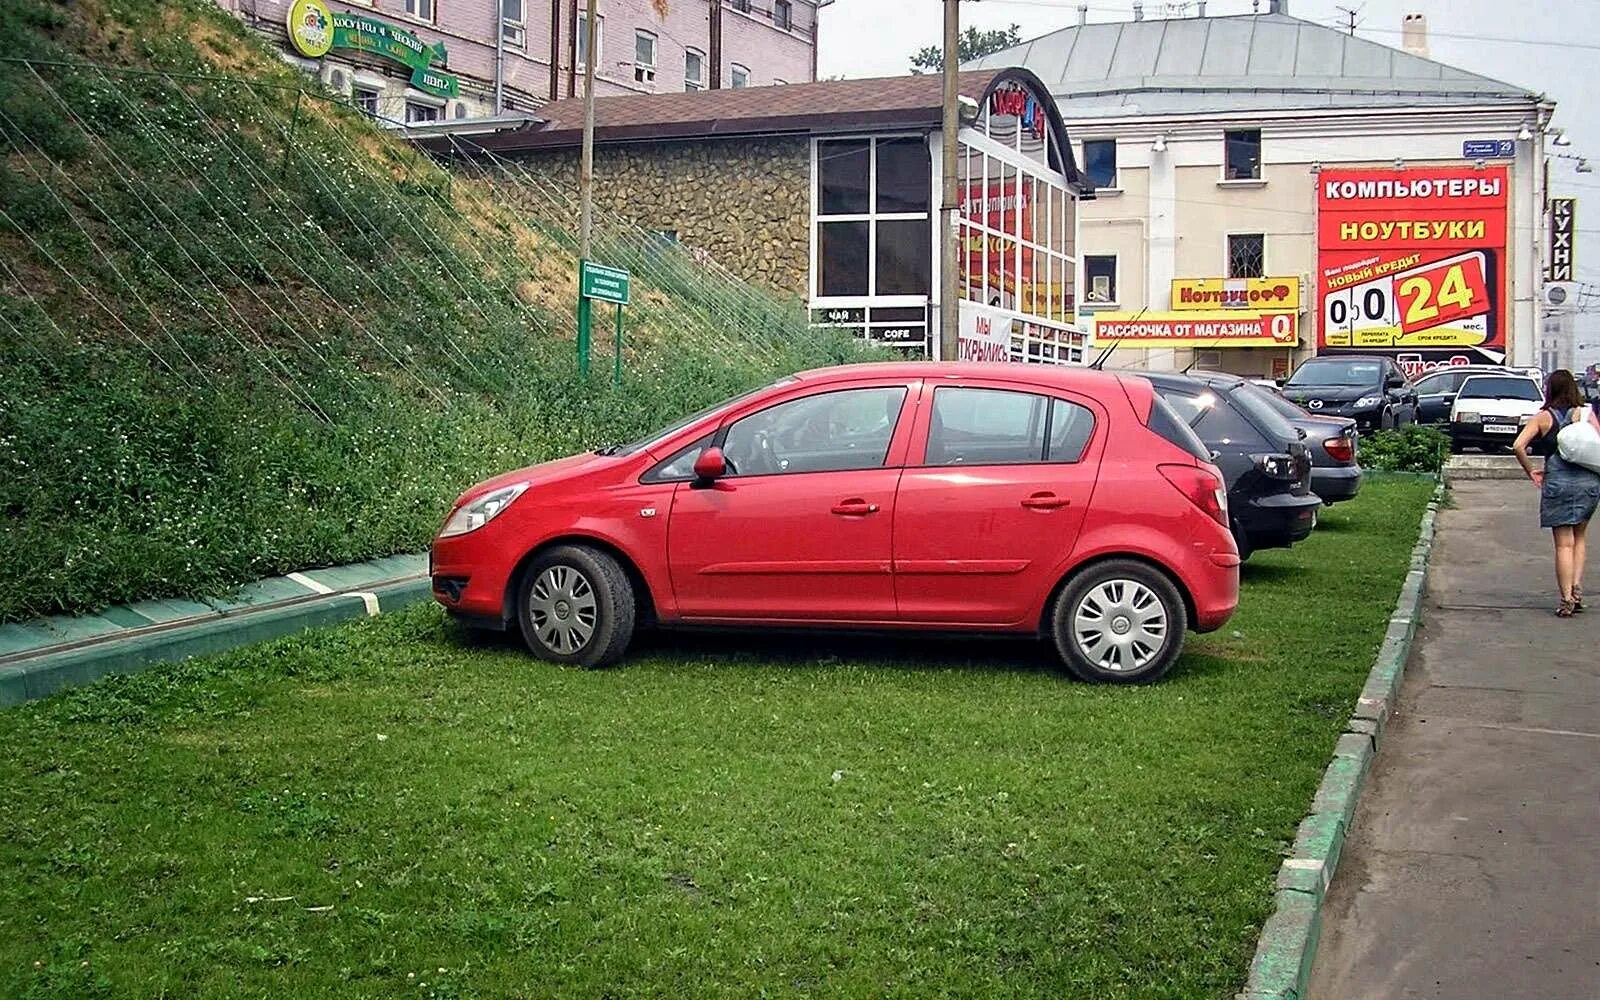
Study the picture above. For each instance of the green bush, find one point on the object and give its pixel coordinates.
(1411, 449)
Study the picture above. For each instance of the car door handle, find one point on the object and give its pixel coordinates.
(1046, 501)
(854, 508)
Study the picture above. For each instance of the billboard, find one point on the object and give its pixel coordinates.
(1413, 260)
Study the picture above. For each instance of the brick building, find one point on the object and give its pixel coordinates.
(825, 191)
(428, 60)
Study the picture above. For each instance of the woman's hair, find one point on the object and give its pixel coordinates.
(1561, 392)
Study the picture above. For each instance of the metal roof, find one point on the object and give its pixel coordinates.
(1242, 63)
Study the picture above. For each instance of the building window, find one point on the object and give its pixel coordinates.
(1242, 154)
(599, 39)
(1100, 162)
(418, 112)
(779, 83)
(874, 200)
(1018, 236)
(365, 99)
(782, 14)
(1100, 275)
(694, 70)
(738, 76)
(513, 26)
(422, 10)
(1247, 254)
(644, 57)
(742, 6)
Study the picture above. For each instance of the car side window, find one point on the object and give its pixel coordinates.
(1434, 385)
(1070, 428)
(826, 432)
(986, 427)
(679, 467)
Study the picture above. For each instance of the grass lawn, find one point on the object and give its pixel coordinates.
(393, 809)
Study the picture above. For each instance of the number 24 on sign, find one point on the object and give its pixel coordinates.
(1440, 295)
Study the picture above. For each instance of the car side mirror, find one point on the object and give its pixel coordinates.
(1215, 454)
(710, 466)
(1279, 382)
(1395, 382)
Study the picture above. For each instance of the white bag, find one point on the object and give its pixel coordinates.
(1579, 442)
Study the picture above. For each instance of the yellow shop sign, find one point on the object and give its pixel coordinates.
(1259, 294)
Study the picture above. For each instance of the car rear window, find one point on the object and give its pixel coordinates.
(1501, 387)
(1164, 420)
(1258, 404)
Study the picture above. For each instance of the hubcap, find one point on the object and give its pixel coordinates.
(563, 610)
(1120, 625)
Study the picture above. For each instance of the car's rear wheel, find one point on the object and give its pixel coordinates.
(1119, 622)
(576, 606)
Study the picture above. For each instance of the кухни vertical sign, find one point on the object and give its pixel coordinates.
(1412, 259)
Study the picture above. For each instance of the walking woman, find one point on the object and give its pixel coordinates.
(1568, 494)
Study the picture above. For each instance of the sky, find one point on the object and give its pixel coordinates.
(876, 38)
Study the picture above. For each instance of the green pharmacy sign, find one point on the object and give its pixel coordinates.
(309, 21)
(380, 38)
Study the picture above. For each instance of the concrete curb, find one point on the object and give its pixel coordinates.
(40, 658)
(1281, 968)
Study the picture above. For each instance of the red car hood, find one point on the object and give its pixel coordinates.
(537, 475)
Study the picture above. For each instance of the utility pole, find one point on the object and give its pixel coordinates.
(714, 45)
(949, 260)
(586, 170)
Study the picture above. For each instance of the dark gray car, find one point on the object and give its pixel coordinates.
(1335, 448)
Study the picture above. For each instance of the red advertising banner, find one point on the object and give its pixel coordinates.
(1412, 259)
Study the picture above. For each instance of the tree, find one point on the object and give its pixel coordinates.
(973, 43)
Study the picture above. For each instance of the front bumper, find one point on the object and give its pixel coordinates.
(1497, 434)
(1336, 483)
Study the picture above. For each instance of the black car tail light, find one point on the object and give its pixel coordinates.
(1277, 466)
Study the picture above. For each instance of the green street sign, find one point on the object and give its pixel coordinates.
(608, 284)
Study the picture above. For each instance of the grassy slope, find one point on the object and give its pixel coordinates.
(244, 332)
(714, 817)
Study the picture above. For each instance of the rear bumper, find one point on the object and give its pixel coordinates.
(1336, 483)
(1280, 520)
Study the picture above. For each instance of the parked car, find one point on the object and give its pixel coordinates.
(1066, 503)
(1264, 459)
(1491, 408)
(1436, 391)
(1335, 449)
(1371, 390)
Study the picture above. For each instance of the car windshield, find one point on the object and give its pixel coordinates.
(678, 425)
(1340, 373)
(1289, 410)
(1500, 387)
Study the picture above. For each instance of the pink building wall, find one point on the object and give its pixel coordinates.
(467, 28)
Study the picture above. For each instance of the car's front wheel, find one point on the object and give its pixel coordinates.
(576, 606)
(1119, 622)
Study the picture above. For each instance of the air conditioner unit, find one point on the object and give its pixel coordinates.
(1560, 297)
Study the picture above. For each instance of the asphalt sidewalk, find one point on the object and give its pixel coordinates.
(1473, 865)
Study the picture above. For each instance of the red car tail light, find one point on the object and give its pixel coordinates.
(1340, 449)
(1202, 488)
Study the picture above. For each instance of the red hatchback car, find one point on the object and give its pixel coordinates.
(1060, 502)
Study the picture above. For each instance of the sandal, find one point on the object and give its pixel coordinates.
(1577, 599)
(1566, 609)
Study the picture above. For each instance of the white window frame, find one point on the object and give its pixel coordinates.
(1115, 301)
(779, 83)
(413, 11)
(1115, 187)
(422, 100)
(515, 29)
(1260, 179)
(871, 217)
(1227, 251)
(735, 68)
(357, 88)
(698, 83)
(645, 72)
(599, 40)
